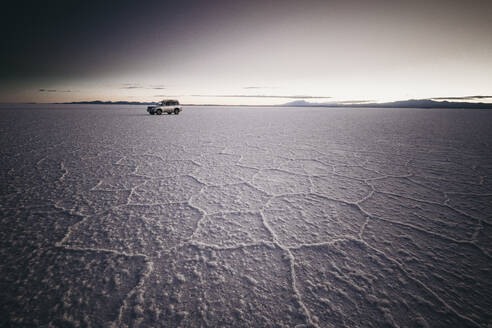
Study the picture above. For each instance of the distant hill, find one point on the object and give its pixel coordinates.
(412, 103)
(428, 103)
(299, 103)
(99, 102)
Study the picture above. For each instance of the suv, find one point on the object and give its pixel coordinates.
(166, 106)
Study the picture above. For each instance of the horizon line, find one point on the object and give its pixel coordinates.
(408, 103)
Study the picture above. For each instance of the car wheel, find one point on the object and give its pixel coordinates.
(151, 113)
(176, 111)
(159, 112)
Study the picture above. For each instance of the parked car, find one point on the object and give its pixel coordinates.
(169, 106)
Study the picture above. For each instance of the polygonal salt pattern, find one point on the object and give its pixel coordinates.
(478, 206)
(310, 219)
(163, 169)
(307, 167)
(93, 201)
(136, 160)
(199, 149)
(245, 217)
(261, 161)
(340, 188)
(447, 186)
(222, 175)
(348, 284)
(229, 198)
(337, 157)
(214, 159)
(276, 182)
(31, 229)
(165, 190)
(97, 167)
(243, 287)
(65, 288)
(252, 287)
(388, 168)
(443, 170)
(458, 273)
(358, 172)
(484, 238)
(407, 188)
(435, 218)
(119, 183)
(293, 153)
(232, 229)
(136, 229)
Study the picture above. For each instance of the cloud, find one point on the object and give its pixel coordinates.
(139, 86)
(167, 96)
(53, 90)
(263, 96)
(462, 98)
(354, 101)
(259, 87)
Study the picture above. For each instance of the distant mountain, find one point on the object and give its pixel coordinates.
(99, 102)
(412, 103)
(427, 103)
(299, 103)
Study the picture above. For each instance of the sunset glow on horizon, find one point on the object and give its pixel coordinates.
(248, 53)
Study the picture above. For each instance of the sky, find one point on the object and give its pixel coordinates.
(246, 52)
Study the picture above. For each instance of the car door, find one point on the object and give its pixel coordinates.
(169, 105)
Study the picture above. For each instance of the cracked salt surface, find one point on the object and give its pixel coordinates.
(245, 217)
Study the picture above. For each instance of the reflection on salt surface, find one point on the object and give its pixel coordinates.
(245, 217)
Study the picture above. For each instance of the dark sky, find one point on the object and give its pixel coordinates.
(202, 50)
(57, 38)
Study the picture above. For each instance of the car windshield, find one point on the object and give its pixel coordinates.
(168, 103)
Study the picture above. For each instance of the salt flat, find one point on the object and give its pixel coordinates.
(245, 217)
